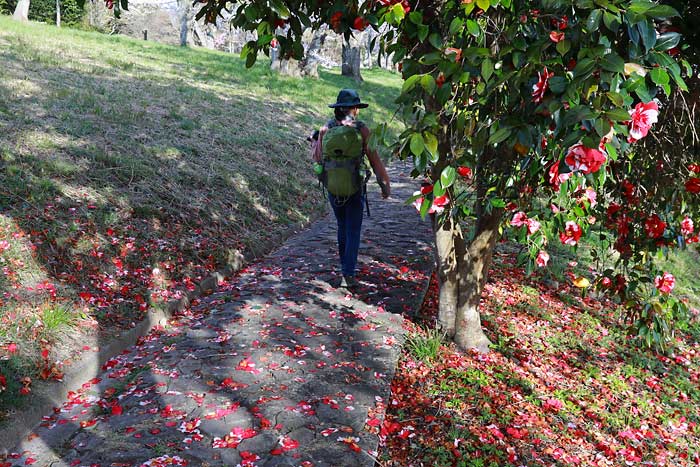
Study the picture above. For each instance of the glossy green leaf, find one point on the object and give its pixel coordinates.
(483, 4)
(594, 19)
(428, 83)
(618, 115)
(417, 144)
(660, 76)
(447, 177)
(613, 62)
(647, 32)
(667, 41)
(473, 27)
(500, 135)
(431, 144)
(487, 69)
(563, 47)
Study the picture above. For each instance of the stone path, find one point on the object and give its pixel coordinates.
(278, 368)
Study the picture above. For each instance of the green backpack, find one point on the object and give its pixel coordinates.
(343, 162)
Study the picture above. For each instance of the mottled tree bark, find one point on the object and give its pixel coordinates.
(351, 60)
(309, 65)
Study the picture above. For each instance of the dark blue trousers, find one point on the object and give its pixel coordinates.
(348, 212)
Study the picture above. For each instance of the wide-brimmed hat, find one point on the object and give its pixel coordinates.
(348, 98)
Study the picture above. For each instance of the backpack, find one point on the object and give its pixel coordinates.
(343, 161)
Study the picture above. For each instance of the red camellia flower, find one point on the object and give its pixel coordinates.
(464, 171)
(556, 36)
(280, 23)
(453, 51)
(555, 178)
(693, 185)
(426, 189)
(571, 234)
(561, 23)
(654, 226)
(665, 283)
(542, 85)
(687, 226)
(336, 19)
(586, 160)
(360, 23)
(439, 203)
(440, 80)
(695, 168)
(643, 116)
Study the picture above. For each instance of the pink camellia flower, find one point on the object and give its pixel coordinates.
(4, 245)
(571, 234)
(532, 226)
(643, 116)
(540, 88)
(591, 196)
(687, 226)
(553, 405)
(654, 226)
(542, 258)
(665, 283)
(586, 160)
(556, 36)
(519, 219)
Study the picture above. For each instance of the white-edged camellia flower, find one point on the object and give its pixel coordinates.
(583, 159)
(643, 116)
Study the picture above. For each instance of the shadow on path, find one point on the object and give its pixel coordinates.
(278, 368)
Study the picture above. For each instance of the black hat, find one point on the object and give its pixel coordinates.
(348, 98)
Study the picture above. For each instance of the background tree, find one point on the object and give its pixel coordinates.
(22, 11)
(524, 118)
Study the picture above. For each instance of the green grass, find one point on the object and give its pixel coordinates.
(425, 345)
(118, 150)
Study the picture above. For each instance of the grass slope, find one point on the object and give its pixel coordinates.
(129, 169)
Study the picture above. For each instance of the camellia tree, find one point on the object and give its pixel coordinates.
(526, 116)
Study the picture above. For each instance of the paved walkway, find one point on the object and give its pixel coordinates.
(278, 368)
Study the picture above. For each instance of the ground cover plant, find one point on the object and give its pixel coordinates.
(128, 171)
(565, 384)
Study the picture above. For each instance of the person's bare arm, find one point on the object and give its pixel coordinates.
(317, 146)
(377, 164)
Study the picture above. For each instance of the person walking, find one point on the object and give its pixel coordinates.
(340, 151)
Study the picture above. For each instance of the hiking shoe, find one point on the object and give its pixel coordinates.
(349, 281)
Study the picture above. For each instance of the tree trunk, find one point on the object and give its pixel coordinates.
(309, 65)
(201, 35)
(474, 261)
(58, 13)
(274, 58)
(290, 67)
(446, 261)
(185, 6)
(351, 60)
(22, 11)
